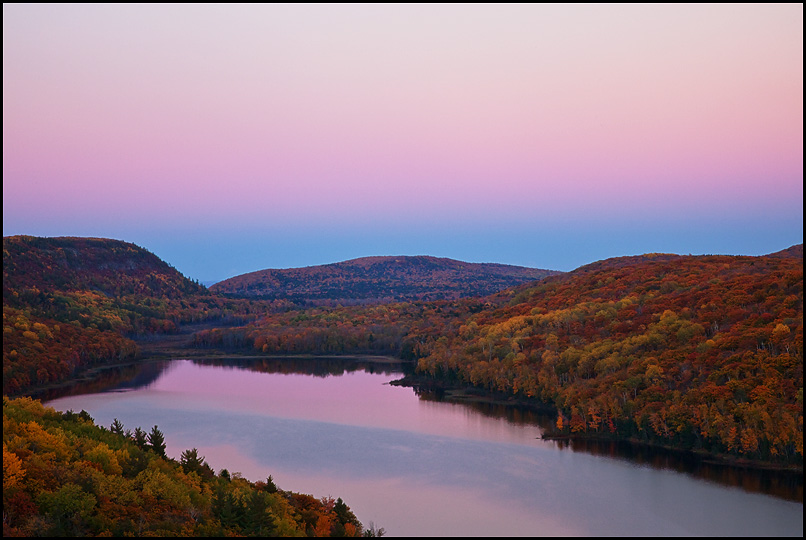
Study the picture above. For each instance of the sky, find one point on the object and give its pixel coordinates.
(232, 138)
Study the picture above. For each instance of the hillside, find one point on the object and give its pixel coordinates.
(795, 251)
(109, 267)
(372, 280)
(693, 352)
(71, 303)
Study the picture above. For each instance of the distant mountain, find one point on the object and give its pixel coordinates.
(371, 280)
(795, 251)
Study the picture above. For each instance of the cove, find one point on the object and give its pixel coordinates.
(418, 467)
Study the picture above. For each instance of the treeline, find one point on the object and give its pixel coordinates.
(701, 353)
(65, 476)
(404, 330)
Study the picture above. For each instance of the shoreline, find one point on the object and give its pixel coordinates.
(175, 346)
(465, 393)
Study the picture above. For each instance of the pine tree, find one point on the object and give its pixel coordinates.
(116, 427)
(157, 441)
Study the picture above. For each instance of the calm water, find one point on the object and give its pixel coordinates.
(418, 467)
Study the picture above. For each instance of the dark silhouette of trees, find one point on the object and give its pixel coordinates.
(156, 441)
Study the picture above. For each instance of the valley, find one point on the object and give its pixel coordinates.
(695, 354)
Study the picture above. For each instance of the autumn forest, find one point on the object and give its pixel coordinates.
(702, 354)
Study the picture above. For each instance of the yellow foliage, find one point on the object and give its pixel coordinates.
(13, 471)
(105, 457)
(42, 441)
(162, 487)
(654, 372)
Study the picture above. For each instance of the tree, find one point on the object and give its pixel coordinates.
(191, 461)
(13, 470)
(157, 441)
(116, 427)
(271, 487)
(140, 438)
(259, 520)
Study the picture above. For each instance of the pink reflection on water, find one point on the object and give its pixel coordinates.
(354, 398)
(439, 510)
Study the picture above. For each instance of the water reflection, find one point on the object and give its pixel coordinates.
(784, 484)
(319, 366)
(436, 414)
(779, 483)
(144, 374)
(107, 379)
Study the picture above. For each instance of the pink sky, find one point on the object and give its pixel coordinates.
(156, 123)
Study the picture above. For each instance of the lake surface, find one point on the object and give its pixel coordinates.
(418, 467)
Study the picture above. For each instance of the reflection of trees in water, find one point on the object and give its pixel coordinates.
(135, 376)
(320, 366)
(520, 415)
(784, 484)
(128, 377)
(781, 483)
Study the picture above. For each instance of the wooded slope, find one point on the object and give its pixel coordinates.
(373, 280)
(69, 303)
(695, 352)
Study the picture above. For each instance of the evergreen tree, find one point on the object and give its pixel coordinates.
(271, 487)
(156, 441)
(140, 438)
(116, 427)
(191, 461)
(259, 520)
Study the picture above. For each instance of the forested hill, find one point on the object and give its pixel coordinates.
(700, 352)
(71, 303)
(373, 280)
(109, 267)
(795, 251)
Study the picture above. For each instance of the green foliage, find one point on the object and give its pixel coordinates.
(116, 427)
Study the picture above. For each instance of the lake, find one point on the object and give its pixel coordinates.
(423, 467)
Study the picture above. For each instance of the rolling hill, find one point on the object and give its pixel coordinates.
(109, 267)
(374, 280)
